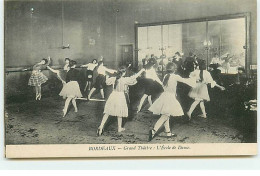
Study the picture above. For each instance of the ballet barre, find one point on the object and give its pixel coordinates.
(91, 99)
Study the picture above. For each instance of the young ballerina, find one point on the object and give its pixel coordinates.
(152, 83)
(200, 92)
(90, 67)
(66, 66)
(116, 104)
(59, 73)
(71, 89)
(101, 79)
(38, 78)
(167, 105)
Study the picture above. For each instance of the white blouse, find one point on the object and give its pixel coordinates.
(66, 67)
(122, 84)
(207, 78)
(90, 66)
(174, 79)
(151, 74)
(102, 70)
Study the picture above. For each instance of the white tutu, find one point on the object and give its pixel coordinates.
(200, 92)
(116, 105)
(71, 89)
(167, 104)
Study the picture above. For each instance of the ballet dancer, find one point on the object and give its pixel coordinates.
(101, 79)
(200, 92)
(152, 83)
(38, 78)
(90, 68)
(167, 105)
(71, 90)
(116, 105)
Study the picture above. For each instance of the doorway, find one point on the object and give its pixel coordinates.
(126, 54)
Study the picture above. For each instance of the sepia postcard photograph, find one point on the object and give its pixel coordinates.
(130, 78)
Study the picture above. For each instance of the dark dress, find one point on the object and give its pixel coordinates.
(189, 65)
(71, 88)
(151, 86)
(89, 74)
(179, 64)
(216, 75)
(72, 75)
(100, 82)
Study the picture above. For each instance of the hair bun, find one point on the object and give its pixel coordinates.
(72, 62)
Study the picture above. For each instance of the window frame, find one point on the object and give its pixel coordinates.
(246, 16)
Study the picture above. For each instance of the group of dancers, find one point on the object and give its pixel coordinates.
(166, 105)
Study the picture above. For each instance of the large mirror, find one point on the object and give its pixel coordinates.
(220, 40)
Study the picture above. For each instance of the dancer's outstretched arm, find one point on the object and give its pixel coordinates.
(153, 75)
(220, 87)
(110, 70)
(86, 65)
(58, 74)
(213, 83)
(139, 73)
(189, 81)
(52, 70)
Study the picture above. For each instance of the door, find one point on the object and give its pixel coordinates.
(126, 53)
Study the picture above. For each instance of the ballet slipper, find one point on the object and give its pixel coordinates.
(203, 115)
(189, 115)
(76, 110)
(151, 135)
(40, 96)
(64, 112)
(138, 110)
(170, 134)
(121, 130)
(37, 96)
(99, 132)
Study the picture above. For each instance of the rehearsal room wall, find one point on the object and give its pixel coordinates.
(28, 38)
(149, 11)
(31, 37)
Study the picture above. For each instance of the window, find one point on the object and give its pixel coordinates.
(221, 41)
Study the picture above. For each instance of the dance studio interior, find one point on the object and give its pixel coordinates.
(130, 33)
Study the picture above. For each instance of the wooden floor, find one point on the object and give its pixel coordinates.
(41, 122)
